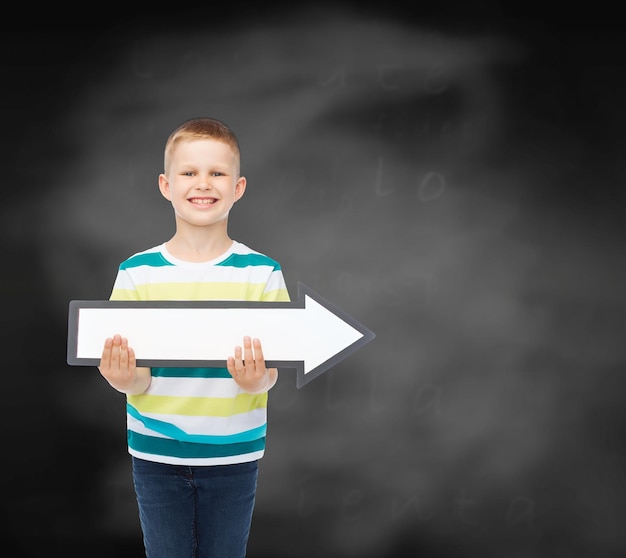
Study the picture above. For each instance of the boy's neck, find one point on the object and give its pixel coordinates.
(199, 248)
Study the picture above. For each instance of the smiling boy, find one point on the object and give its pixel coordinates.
(195, 435)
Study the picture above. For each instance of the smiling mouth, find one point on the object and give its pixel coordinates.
(203, 201)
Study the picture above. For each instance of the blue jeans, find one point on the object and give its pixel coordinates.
(195, 512)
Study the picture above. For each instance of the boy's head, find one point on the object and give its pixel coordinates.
(198, 129)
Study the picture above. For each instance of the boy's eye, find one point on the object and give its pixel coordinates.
(193, 173)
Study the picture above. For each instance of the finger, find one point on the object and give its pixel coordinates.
(248, 355)
(115, 351)
(132, 359)
(259, 359)
(237, 359)
(230, 366)
(124, 354)
(105, 360)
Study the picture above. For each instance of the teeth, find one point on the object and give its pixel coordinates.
(203, 201)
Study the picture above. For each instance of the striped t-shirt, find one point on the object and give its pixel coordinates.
(198, 416)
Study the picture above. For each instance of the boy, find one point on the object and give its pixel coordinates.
(195, 435)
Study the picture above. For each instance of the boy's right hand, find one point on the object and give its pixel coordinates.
(118, 366)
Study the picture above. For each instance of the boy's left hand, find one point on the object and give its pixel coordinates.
(247, 367)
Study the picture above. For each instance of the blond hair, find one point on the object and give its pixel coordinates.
(198, 129)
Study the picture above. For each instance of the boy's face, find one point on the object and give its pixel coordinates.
(202, 181)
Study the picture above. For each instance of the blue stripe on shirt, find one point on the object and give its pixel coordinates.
(174, 431)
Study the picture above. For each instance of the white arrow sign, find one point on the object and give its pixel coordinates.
(310, 335)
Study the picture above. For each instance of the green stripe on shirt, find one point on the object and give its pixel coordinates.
(191, 373)
(245, 260)
(152, 259)
(177, 448)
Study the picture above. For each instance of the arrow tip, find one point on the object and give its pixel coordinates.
(355, 335)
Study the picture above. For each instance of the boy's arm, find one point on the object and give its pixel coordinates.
(118, 366)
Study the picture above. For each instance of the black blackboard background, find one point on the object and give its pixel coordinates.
(450, 175)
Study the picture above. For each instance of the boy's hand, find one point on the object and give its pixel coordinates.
(247, 367)
(118, 366)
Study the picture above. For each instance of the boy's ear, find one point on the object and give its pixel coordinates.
(240, 187)
(164, 187)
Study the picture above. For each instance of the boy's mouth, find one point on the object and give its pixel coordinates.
(203, 201)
